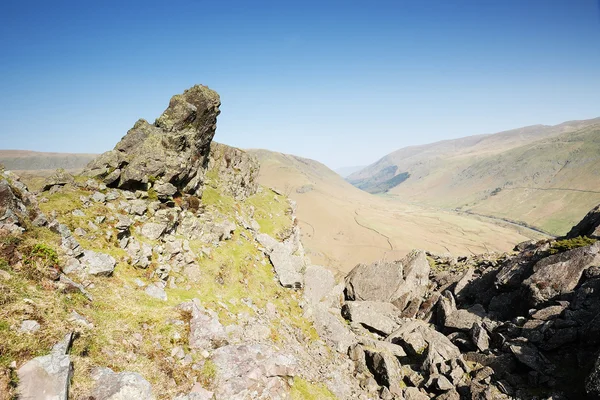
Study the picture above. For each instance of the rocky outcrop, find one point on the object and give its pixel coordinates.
(589, 225)
(402, 283)
(174, 150)
(17, 205)
(237, 171)
(287, 257)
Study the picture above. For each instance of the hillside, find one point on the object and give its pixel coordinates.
(23, 160)
(544, 176)
(343, 226)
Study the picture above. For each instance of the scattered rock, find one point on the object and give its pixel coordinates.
(156, 291)
(120, 386)
(99, 264)
(152, 230)
(29, 326)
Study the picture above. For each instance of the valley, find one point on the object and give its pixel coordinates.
(540, 176)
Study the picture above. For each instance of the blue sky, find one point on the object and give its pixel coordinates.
(342, 82)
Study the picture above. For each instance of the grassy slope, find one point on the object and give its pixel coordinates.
(133, 331)
(551, 183)
(342, 225)
(522, 163)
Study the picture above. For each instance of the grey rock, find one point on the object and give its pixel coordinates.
(99, 264)
(80, 232)
(412, 393)
(560, 273)
(480, 337)
(531, 357)
(386, 370)
(319, 283)
(138, 207)
(398, 282)
(267, 242)
(416, 337)
(47, 377)
(123, 223)
(152, 230)
(549, 313)
(40, 220)
(252, 371)
(164, 190)
(174, 149)
(156, 291)
(332, 329)
(381, 317)
(236, 170)
(288, 267)
(462, 320)
(98, 197)
(382, 346)
(592, 383)
(29, 326)
(78, 213)
(59, 178)
(206, 332)
(71, 246)
(120, 386)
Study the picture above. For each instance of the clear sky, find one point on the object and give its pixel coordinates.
(342, 82)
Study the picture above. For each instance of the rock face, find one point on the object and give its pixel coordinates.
(560, 273)
(47, 377)
(589, 225)
(236, 169)
(174, 150)
(16, 204)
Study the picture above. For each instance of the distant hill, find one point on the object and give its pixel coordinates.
(25, 160)
(344, 172)
(342, 225)
(545, 176)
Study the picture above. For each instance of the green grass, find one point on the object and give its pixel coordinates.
(570, 244)
(271, 212)
(235, 269)
(304, 390)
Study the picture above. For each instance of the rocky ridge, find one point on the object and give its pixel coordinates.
(164, 282)
(167, 272)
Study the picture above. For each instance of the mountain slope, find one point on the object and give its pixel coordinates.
(544, 176)
(35, 160)
(343, 226)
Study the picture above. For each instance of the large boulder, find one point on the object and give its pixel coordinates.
(382, 318)
(560, 273)
(175, 149)
(397, 282)
(588, 226)
(47, 377)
